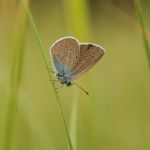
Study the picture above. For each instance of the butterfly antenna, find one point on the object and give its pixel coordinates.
(87, 93)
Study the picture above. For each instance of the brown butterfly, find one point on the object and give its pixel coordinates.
(71, 59)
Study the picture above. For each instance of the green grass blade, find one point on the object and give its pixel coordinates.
(73, 121)
(80, 21)
(9, 121)
(39, 43)
(15, 77)
(79, 26)
(138, 7)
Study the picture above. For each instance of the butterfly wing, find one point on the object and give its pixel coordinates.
(90, 54)
(65, 55)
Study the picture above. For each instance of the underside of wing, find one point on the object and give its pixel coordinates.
(65, 55)
(90, 54)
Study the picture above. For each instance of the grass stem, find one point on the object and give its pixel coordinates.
(138, 7)
(16, 69)
(39, 44)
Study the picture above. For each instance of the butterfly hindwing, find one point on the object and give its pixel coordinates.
(90, 54)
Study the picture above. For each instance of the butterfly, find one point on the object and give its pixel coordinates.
(71, 59)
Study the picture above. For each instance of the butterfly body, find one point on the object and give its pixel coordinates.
(71, 59)
(63, 80)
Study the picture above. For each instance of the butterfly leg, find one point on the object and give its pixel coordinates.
(60, 87)
(51, 70)
(55, 80)
(63, 71)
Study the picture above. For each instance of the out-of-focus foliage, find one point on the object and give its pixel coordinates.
(116, 114)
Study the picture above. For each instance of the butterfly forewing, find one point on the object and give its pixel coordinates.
(65, 54)
(90, 54)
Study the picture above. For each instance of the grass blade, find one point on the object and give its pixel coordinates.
(15, 75)
(73, 122)
(138, 7)
(80, 26)
(39, 43)
(80, 21)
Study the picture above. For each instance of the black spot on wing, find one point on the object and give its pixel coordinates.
(89, 46)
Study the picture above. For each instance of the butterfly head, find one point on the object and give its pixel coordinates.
(63, 80)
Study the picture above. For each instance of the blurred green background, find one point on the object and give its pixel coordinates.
(116, 115)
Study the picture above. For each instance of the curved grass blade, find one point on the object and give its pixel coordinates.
(73, 121)
(79, 9)
(138, 7)
(39, 43)
(16, 70)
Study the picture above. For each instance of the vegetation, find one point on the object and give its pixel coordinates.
(34, 116)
